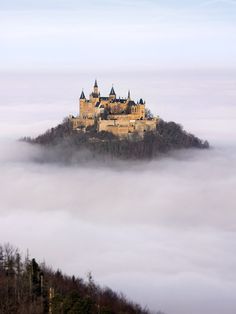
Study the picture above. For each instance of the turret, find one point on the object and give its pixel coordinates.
(95, 94)
(82, 96)
(95, 88)
(141, 108)
(112, 94)
(82, 104)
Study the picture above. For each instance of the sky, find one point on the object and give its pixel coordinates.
(108, 35)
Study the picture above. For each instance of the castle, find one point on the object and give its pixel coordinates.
(122, 117)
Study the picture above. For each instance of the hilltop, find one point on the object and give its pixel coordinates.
(117, 128)
(167, 136)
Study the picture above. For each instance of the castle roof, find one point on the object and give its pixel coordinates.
(96, 83)
(141, 101)
(82, 95)
(112, 92)
(122, 101)
(99, 105)
(131, 103)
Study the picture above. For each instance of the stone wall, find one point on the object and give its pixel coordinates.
(80, 123)
(123, 128)
(87, 110)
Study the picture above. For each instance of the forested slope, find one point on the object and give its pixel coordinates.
(27, 287)
(168, 136)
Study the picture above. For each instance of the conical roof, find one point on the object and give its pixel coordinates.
(141, 101)
(112, 92)
(82, 95)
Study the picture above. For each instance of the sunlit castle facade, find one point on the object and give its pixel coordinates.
(111, 114)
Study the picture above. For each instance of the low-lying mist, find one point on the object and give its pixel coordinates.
(161, 231)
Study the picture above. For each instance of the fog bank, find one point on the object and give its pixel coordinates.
(162, 232)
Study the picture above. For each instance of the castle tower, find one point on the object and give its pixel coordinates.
(82, 104)
(95, 88)
(112, 94)
(82, 96)
(95, 93)
(141, 109)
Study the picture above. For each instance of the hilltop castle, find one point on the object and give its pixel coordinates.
(122, 117)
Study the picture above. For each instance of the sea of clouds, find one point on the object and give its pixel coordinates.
(163, 232)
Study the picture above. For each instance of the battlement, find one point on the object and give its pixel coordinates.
(120, 116)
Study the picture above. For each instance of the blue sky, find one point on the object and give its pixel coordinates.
(117, 34)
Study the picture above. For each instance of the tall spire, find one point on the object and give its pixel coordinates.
(112, 92)
(129, 94)
(82, 95)
(95, 89)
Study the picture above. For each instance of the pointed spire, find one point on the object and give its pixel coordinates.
(112, 92)
(129, 94)
(96, 83)
(82, 95)
(141, 101)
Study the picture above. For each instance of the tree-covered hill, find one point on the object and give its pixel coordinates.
(27, 287)
(168, 136)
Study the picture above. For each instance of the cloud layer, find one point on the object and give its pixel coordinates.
(162, 232)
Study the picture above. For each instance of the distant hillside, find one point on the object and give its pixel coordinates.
(27, 287)
(168, 136)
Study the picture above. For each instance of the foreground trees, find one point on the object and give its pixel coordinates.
(29, 288)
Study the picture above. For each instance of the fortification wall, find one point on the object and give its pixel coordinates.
(79, 122)
(145, 125)
(124, 127)
(123, 117)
